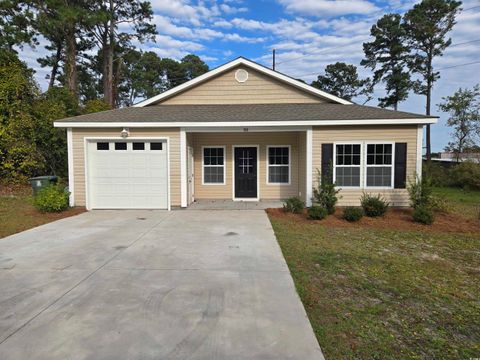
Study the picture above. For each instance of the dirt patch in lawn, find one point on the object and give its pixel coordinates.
(394, 219)
(17, 212)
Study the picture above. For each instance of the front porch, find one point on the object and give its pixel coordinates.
(212, 204)
(247, 168)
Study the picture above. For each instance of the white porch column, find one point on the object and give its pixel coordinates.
(419, 151)
(71, 199)
(183, 167)
(309, 165)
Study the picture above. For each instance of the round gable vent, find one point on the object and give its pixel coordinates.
(241, 75)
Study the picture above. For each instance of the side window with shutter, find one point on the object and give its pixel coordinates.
(400, 171)
(327, 161)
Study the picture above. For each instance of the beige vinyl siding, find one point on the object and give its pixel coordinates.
(262, 139)
(79, 135)
(258, 89)
(400, 133)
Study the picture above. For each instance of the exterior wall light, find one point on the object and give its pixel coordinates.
(125, 133)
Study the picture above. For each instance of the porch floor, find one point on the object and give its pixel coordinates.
(214, 204)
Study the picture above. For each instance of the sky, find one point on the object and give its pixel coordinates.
(307, 36)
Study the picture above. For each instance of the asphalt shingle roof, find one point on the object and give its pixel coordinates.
(243, 112)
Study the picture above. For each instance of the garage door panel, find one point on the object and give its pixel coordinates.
(127, 178)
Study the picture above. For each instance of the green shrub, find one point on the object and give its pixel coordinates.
(325, 194)
(317, 213)
(437, 173)
(374, 205)
(423, 215)
(420, 192)
(352, 213)
(466, 175)
(51, 199)
(440, 203)
(294, 205)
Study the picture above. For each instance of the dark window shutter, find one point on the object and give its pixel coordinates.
(327, 161)
(400, 171)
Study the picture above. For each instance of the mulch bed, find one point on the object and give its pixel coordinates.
(394, 219)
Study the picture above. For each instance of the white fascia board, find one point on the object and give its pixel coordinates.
(246, 124)
(232, 64)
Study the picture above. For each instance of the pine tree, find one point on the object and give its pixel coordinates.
(342, 80)
(426, 26)
(387, 55)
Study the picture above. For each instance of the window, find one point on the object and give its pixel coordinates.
(103, 146)
(379, 165)
(214, 165)
(138, 146)
(156, 146)
(278, 164)
(120, 146)
(347, 161)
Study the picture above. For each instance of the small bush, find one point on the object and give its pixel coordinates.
(317, 213)
(440, 203)
(51, 199)
(325, 194)
(294, 205)
(423, 215)
(352, 214)
(420, 192)
(466, 175)
(437, 173)
(374, 205)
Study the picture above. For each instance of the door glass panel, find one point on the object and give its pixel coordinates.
(120, 146)
(138, 146)
(103, 146)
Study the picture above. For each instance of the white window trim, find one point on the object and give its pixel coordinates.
(361, 166)
(224, 165)
(392, 165)
(289, 165)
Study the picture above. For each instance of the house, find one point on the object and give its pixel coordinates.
(242, 132)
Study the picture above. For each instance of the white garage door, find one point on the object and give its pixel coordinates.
(127, 174)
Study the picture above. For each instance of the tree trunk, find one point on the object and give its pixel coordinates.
(71, 59)
(53, 74)
(108, 60)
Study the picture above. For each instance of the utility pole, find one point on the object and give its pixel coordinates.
(273, 60)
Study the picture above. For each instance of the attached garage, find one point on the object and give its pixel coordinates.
(127, 174)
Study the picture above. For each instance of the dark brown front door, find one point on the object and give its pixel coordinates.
(245, 172)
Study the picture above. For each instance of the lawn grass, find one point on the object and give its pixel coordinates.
(18, 214)
(461, 201)
(384, 294)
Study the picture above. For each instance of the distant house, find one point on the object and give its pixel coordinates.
(241, 132)
(461, 157)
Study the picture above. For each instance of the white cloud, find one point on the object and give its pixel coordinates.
(183, 9)
(238, 38)
(227, 9)
(325, 8)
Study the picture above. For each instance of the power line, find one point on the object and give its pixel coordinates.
(473, 7)
(466, 42)
(444, 68)
(454, 66)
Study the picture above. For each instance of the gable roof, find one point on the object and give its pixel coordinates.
(247, 63)
(246, 115)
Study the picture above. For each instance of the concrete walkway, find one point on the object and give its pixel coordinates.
(151, 285)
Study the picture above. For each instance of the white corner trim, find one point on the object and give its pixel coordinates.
(309, 165)
(419, 151)
(247, 124)
(248, 63)
(71, 182)
(183, 168)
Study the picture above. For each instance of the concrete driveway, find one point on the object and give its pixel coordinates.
(151, 285)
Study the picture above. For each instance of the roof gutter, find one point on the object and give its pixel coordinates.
(163, 124)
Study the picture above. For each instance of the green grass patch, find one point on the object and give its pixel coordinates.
(466, 202)
(17, 214)
(380, 294)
